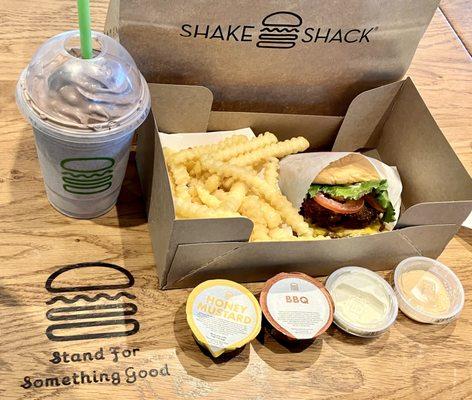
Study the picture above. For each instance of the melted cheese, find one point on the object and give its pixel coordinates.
(369, 230)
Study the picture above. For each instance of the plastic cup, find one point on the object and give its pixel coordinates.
(360, 279)
(84, 114)
(82, 179)
(445, 275)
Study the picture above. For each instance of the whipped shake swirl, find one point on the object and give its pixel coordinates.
(94, 94)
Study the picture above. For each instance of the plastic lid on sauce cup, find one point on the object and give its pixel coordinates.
(428, 291)
(365, 304)
(297, 306)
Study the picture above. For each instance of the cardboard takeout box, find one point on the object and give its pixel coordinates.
(390, 122)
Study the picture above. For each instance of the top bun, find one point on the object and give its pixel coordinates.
(350, 169)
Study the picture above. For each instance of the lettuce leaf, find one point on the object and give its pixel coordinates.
(385, 203)
(351, 192)
(358, 190)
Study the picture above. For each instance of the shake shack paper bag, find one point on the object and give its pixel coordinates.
(298, 171)
(302, 57)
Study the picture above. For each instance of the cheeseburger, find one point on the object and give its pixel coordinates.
(348, 198)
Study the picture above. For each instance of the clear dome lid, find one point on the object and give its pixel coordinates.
(94, 94)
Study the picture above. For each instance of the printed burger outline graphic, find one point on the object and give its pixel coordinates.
(82, 317)
(280, 30)
(87, 175)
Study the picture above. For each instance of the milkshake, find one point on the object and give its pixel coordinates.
(84, 113)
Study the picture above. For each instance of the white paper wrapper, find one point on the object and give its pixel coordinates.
(180, 141)
(298, 171)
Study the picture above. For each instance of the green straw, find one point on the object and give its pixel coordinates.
(85, 30)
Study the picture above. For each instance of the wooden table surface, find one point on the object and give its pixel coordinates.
(411, 361)
(459, 16)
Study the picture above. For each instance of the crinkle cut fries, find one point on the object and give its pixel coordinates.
(239, 177)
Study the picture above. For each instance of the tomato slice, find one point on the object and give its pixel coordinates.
(374, 203)
(349, 207)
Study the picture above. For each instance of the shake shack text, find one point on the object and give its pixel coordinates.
(279, 30)
(246, 33)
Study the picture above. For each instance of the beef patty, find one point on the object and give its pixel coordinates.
(325, 218)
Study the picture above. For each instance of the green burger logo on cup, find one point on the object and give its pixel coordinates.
(87, 175)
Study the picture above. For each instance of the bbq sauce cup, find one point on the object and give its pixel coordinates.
(296, 307)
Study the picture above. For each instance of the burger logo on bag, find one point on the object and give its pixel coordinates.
(101, 308)
(278, 30)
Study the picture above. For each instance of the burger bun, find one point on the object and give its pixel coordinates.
(353, 168)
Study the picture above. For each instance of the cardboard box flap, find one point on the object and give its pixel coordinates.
(184, 108)
(151, 165)
(432, 173)
(395, 121)
(364, 117)
(434, 166)
(189, 258)
(322, 130)
(203, 230)
(181, 108)
(145, 157)
(250, 262)
(442, 213)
